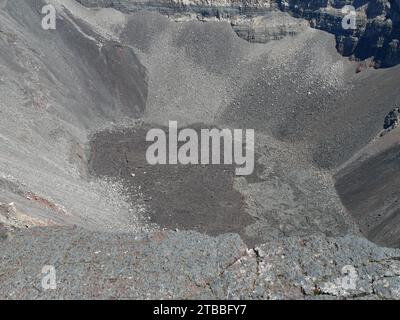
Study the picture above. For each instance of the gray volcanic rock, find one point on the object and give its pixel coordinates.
(378, 21)
(103, 73)
(316, 268)
(369, 188)
(188, 265)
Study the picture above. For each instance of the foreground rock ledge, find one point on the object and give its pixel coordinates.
(190, 265)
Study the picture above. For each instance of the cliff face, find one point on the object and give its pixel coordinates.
(255, 22)
(378, 26)
(376, 36)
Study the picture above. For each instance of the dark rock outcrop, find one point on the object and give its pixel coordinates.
(392, 119)
(189, 265)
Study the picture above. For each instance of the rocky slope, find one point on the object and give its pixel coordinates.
(377, 30)
(373, 198)
(189, 265)
(377, 33)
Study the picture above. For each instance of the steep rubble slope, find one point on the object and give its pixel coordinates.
(56, 88)
(368, 186)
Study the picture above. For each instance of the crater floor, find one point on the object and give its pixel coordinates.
(190, 197)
